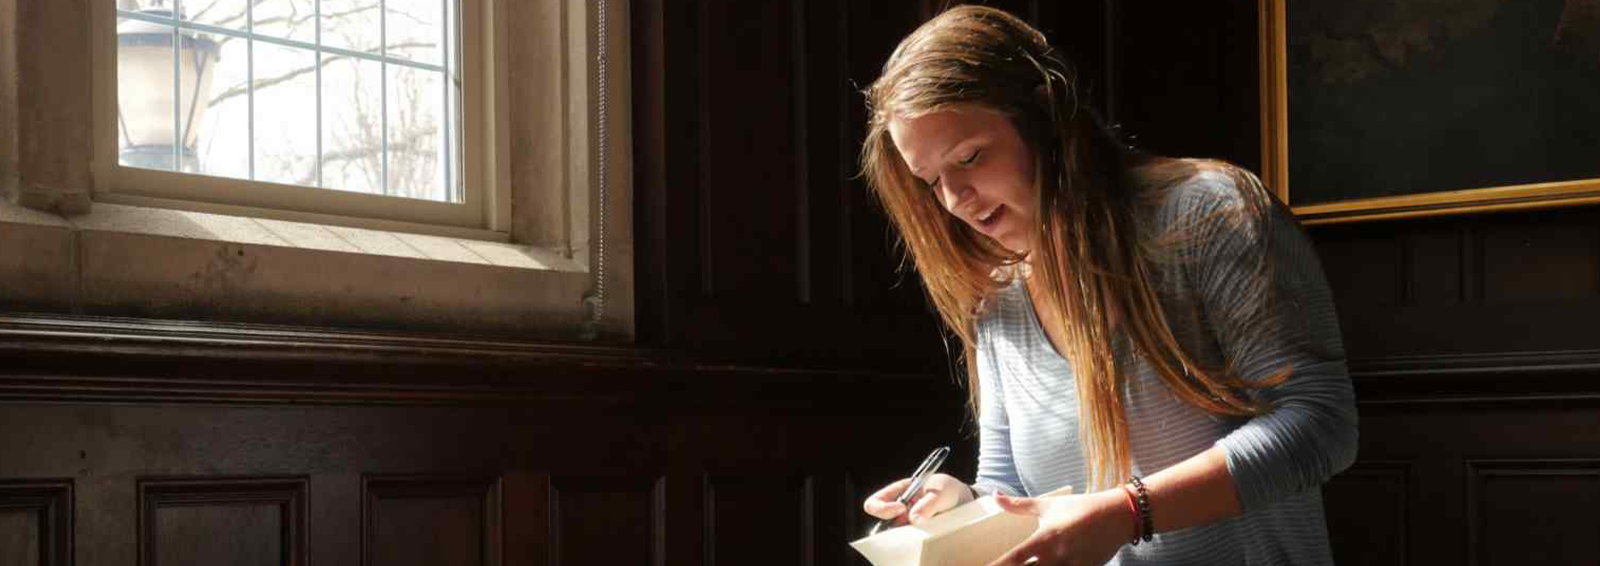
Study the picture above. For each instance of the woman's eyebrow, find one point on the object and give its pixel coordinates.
(947, 153)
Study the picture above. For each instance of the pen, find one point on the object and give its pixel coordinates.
(928, 467)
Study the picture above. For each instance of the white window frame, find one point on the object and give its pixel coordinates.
(484, 168)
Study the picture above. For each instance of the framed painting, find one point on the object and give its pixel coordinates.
(1381, 109)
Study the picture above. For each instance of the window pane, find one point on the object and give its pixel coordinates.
(289, 19)
(252, 108)
(416, 31)
(351, 24)
(416, 134)
(222, 135)
(352, 108)
(286, 122)
(145, 94)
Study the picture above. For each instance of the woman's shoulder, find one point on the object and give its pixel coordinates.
(1200, 185)
(1202, 194)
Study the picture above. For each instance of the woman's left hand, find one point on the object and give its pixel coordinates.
(1075, 530)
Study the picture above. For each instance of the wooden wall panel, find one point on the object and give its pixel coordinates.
(222, 520)
(427, 520)
(36, 522)
(1368, 509)
(20, 540)
(238, 534)
(751, 175)
(761, 520)
(1547, 257)
(599, 520)
(1533, 511)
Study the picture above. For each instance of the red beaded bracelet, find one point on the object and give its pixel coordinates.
(1133, 507)
(1147, 529)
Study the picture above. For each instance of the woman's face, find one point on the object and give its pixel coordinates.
(977, 165)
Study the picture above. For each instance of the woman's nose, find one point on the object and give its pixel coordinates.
(955, 190)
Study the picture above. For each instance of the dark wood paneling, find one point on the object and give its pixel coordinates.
(1547, 257)
(1533, 511)
(751, 185)
(36, 522)
(222, 520)
(1367, 509)
(1437, 267)
(599, 520)
(19, 537)
(238, 534)
(761, 519)
(444, 520)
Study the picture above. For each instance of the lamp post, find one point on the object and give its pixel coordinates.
(158, 111)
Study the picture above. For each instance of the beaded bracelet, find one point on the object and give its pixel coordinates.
(1146, 529)
(1133, 508)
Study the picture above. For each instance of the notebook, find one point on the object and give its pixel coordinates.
(973, 534)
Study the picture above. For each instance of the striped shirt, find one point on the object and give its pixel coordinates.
(1028, 423)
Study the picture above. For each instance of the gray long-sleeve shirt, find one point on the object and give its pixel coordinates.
(1028, 423)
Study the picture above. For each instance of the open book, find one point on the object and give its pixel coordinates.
(973, 534)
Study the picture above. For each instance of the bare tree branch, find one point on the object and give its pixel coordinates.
(294, 23)
(401, 145)
(289, 76)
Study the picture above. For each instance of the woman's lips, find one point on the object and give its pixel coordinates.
(988, 225)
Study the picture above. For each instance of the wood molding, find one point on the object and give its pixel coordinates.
(52, 500)
(287, 493)
(99, 359)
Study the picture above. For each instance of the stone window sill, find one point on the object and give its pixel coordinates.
(134, 261)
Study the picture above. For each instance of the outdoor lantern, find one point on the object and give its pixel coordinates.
(148, 94)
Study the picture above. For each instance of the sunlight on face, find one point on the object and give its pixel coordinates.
(978, 167)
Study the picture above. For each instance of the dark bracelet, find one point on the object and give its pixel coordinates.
(1146, 529)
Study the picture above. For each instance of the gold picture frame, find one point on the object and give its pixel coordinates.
(1275, 153)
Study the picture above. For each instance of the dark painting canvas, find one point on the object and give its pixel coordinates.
(1397, 97)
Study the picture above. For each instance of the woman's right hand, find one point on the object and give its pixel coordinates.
(939, 493)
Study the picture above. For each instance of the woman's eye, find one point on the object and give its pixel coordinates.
(971, 158)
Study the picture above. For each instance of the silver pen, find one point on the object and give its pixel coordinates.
(919, 477)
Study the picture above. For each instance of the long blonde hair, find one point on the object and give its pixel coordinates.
(1090, 265)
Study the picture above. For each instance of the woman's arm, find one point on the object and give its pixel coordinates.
(1089, 529)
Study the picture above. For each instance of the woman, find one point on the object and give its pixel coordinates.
(1155, 330)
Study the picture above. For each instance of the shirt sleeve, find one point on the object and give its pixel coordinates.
(1264, 326)
(997, 471)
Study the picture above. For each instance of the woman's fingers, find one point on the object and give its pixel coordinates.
(1019, 505)
(927, 505)
(883, 505)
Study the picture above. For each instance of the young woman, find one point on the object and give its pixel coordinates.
(1156, 332)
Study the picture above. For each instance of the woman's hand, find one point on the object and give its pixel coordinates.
(1076, 530)
(939, 493)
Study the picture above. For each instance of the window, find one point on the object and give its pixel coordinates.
(364, 112)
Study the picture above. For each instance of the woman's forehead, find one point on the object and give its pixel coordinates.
(927, 136)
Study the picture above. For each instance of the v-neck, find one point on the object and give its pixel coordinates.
(1035, 326)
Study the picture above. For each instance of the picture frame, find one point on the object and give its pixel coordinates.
(1340, 204)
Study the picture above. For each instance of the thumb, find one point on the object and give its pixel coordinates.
(1018, 505)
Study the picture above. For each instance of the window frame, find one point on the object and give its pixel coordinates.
(484, 214)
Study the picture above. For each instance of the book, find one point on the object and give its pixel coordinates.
(972, 534)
